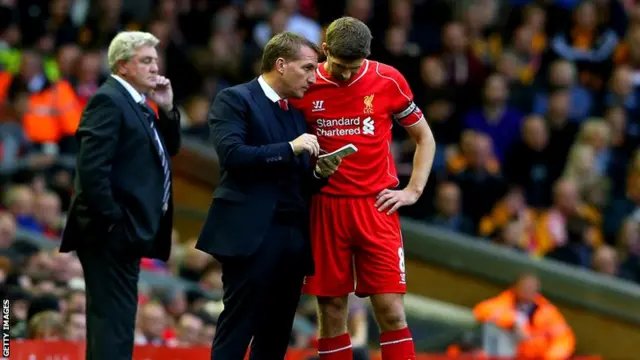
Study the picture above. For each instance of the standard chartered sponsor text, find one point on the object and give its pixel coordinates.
(339, 127)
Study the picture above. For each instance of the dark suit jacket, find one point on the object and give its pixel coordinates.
(254, 157)
(119, 179)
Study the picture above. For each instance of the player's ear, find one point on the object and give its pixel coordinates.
(325, 49)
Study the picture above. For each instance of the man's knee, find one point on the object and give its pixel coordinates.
(332, 316)
(389, 311)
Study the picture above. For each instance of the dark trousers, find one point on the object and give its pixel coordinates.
(111, 283)
(261, 294)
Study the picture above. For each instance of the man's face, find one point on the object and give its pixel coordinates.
(190, 329)
(340, 69)
(298, 75)
(496, 91)
(527, 289)
(76, 327)
(142, 69)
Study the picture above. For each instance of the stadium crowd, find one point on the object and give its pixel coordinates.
(535, 107)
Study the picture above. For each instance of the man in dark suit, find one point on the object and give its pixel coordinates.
(258, 223)
(122, 207)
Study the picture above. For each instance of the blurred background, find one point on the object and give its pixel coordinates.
(535, 107)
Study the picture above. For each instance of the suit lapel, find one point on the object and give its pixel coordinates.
(138, 111)
(269, 117)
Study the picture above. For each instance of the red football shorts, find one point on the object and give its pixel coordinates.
(355, 248)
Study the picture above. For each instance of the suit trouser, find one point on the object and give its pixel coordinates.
(261, 294)
(111, 283)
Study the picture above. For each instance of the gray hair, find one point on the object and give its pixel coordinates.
(125, 44)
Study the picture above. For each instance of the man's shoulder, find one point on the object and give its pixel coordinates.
(236, 92)
(107, 92)
(379, 70)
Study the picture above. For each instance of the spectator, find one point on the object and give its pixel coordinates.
(605, 261)
(189, 330)
(563, 75)
(529, 163)
(7, 234)
(629, 245)
(589, 44)
(75, 327)
(621, 91)
(509, 218)
(552, 225)
(151, 324)
(464, 70)
(47, 326)
(578, 250)
(48, 214)
(581, 168)
(195, 120)
(562, 132)
(479, 179)
(495, 118)
(449, 210)
(622, 207)
(19, 200)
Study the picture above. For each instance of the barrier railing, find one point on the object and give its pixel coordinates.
(61, 350)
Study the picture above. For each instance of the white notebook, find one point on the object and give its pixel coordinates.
(342, 152)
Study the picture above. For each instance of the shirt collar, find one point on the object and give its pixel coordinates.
(137, 97)
(268, 90)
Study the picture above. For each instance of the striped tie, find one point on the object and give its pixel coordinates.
(150, 114)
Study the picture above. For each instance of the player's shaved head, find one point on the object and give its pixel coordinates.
(348, 39)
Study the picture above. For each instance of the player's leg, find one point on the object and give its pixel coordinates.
(334, 342)
(396, 341)
(333, 277)
(380, 270)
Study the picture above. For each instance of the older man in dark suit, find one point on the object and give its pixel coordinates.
(258, 223)
(122, 207)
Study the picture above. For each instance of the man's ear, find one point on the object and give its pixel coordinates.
(280, 64)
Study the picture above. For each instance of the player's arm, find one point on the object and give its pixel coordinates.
(423, 157)
(406, 113)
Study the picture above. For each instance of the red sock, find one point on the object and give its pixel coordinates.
(335, 348)
(397, 345)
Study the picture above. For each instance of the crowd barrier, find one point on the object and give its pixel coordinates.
(61, 350)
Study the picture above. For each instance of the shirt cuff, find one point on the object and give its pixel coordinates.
(315, 175)
(292, 149)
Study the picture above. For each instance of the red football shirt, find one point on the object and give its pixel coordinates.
(360, 111)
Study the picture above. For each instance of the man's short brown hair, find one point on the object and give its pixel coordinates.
(286, 45)
(349, 39)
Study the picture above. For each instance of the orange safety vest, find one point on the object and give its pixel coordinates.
(548, 337)
(51, 114)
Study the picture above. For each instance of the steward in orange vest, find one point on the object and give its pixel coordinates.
(542, 329)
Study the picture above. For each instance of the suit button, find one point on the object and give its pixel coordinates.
(279, 157)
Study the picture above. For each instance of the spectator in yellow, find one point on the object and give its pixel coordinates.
(540, 327)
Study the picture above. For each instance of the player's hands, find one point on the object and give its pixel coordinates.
(306, 142)
(394, 199)
(327, 167)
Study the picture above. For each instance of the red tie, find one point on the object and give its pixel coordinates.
(283, 105)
